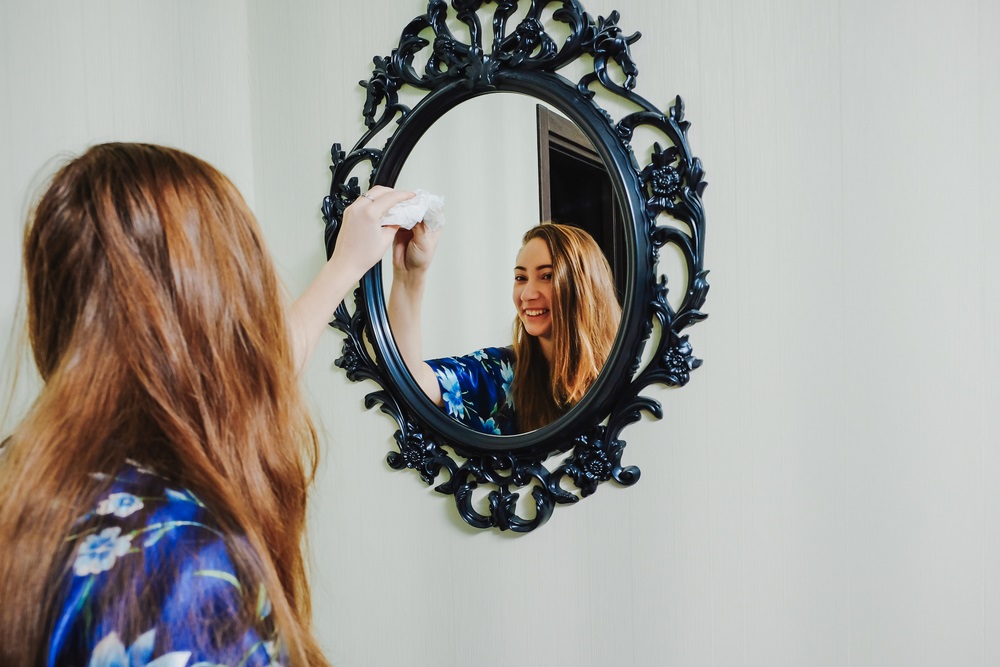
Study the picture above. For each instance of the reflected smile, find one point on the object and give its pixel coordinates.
(535, 312)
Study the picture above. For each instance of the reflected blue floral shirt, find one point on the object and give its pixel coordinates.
(476, 389)
(191, 604)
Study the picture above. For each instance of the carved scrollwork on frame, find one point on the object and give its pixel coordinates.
(662, 201)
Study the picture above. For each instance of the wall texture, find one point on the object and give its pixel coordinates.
(822, 493)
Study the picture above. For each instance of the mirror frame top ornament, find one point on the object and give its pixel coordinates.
(662, 206)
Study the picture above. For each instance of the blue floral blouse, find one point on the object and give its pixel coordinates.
(185, 583)
(476, 389)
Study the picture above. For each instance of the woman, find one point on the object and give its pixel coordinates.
(567, 319)
(152, 501)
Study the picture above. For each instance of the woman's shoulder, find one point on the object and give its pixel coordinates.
(491, 360)
(149, 571)
(142, 506)
(495, 354)
(138, 493)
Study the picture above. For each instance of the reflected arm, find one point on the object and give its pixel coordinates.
(412, 252)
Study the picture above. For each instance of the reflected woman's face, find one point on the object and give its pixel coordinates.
(533, 288)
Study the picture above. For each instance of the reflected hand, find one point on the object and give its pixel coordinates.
(413, 249)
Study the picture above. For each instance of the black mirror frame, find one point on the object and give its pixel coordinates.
(526, 60)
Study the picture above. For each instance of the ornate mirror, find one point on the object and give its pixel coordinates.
(485, 58)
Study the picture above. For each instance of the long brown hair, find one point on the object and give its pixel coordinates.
(585, 318)
(157, 323)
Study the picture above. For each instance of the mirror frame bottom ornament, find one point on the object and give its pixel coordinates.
(526, 60)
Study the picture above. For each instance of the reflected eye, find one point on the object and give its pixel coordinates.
(520, 279)
(547, 276)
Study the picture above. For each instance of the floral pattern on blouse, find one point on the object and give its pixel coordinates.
(188, 602)
(476, 389)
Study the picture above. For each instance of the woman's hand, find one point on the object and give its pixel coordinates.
(363, 240)
(413, 249)
(412, 252)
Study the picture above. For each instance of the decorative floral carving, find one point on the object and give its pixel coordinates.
(610, 43)
(678, 362)
(527, 38)
(378, 88)
(413, 451)
(445, 52)
(666, 182)
(662, 176)
(529, 34)
(350, 359)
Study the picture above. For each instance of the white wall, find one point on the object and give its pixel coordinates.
(822, 493)
(77, 73)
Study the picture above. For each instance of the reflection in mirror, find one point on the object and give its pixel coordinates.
(575, 188)
(490, 192)
(501, 181)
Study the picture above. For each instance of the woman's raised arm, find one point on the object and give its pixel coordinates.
(412, 253)
(361, 243)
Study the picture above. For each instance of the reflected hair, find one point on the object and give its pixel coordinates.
(156, 321)
(585, 319)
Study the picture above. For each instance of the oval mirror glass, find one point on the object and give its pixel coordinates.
(514, 162)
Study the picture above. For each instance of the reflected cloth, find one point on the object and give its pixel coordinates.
(149, 581)
(476, 389)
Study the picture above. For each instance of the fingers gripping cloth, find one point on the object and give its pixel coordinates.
(422, 206)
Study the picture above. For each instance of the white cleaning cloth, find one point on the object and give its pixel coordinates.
(423, 206)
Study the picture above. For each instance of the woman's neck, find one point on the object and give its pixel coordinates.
(545, 342)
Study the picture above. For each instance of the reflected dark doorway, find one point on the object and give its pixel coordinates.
(574, 188)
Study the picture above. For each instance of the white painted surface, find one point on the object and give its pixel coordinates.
(823, 491)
